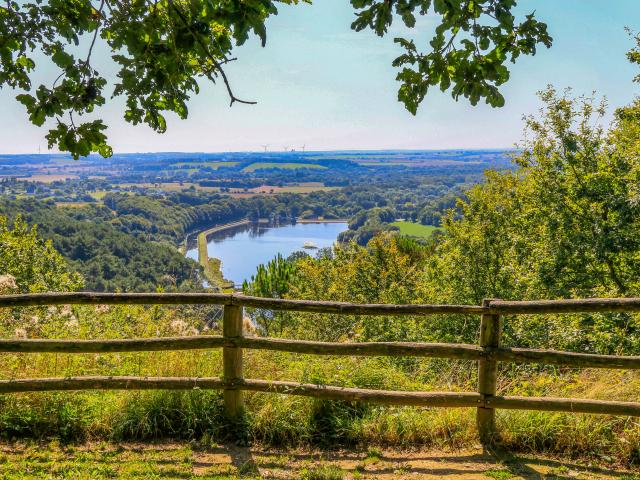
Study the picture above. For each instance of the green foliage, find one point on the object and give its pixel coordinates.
(498, 474)
(98, 246)
(633, 55)
(325, 472)
(367, 223)
(564, 225)
(473, 41)
(163, 48)
(272, 280)
(174, 414)
(29, 264)
(386, 271)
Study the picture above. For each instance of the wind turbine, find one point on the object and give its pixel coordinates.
(303, 147)
(286, 149)
(265, 147)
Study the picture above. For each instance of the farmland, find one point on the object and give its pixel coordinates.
(50, 178)
(196, 165)
(413, 229)
(284, 166)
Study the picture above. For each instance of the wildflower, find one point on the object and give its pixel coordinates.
(102, 308)
(182, 328)
(20, 333)
(72, 323)
(8, 284)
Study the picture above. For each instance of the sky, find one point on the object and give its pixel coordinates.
(321, 85)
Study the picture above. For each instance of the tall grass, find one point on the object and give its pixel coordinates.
(287, 420)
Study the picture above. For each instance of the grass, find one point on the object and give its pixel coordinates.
(286, 421)
(325, 472)
(99, 194)
(499, 474)
(285, 166)
(412, 229)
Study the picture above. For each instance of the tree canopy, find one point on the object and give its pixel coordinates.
(163, 47)
(564, 224)
(30, 264)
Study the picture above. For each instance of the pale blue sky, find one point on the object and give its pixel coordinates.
(320, 84)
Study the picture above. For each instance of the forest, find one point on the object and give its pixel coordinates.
(128, 240)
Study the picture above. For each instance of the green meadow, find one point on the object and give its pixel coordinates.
(412, 229)
(285, 166)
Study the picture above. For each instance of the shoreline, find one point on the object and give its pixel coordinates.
(316, 220)
(213, 266)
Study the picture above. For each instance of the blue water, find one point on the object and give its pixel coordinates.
(242, 249)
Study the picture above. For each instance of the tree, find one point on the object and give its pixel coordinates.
(31, 263)
(565, 224)
(387, 270)
(272, 280)
(163, 47)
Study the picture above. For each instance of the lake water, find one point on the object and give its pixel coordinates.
(242, 249)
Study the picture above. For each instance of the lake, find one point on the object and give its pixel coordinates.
(242, 249)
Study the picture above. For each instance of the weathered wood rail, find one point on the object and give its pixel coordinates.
(488, 353)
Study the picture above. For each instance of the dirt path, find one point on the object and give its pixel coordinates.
(388, 465)
(174, 460)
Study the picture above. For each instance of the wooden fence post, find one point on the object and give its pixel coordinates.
(232, 360)
(490, 332)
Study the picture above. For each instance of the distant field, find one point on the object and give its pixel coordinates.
(291, 189)
(72, 204)
(300, 188)
(98, 194)
(168, 186)
(214, 165)
(416, 163)
(415, 229)
(234, 192)
(285, 166)
(382, 163)
(49, 178)
(354, 156)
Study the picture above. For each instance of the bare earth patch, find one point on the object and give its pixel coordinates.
(190, 460)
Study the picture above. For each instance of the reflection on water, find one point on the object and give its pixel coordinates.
(241, 249)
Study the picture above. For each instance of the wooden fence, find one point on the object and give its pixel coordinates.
(488, 353)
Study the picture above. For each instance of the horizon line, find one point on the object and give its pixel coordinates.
(171, 152)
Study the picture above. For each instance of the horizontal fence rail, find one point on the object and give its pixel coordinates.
(583, 305)
(500, 307)
(312, 306)
(439, 350)
(565, 359)
(391, 349)
(386, 397)
(487, 354)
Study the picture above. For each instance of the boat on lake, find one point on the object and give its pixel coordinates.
(309, 245)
